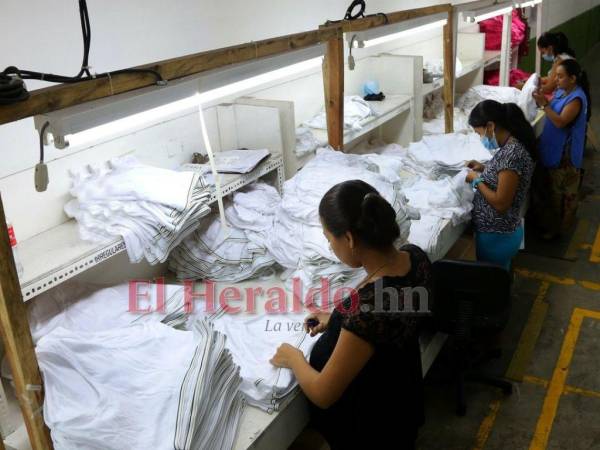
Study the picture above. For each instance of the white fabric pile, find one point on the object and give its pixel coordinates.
(523, 98)
(306, 142)
(239, 161)
(253, 340)
(449, 151)
(448, 198)
(151, 208)
(355, 111)
(425, 233)
(144, 386)
(297, 241)
(434, 106)
(436, 66)
(235, 253)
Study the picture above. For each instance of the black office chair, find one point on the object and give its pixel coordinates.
(471, 300)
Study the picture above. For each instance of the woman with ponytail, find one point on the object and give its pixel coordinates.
(561, 147)
(554, 48)
(502, 185)
(364, 378)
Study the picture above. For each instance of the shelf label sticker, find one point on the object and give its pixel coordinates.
(109, 252)
(12, 237)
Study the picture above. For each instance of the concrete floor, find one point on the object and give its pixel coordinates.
(551, 346)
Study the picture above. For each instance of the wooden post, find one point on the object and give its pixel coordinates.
(506, 49)
(449, 72)
(333, 79)
(18, 343)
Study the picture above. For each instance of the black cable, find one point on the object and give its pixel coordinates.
(42, 131)
(13, 76)
(353, 5)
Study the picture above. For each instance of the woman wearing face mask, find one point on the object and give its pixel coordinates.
(501, 186)
(561, 147)
(364, 379)
(554, 48)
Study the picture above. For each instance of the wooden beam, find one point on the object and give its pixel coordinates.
(379, 20)
(448, 92)
(64, 95)
(333, 79)
(18, 343)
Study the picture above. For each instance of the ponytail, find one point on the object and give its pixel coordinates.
(558, 41)
(357, 207)
(573, 69)
(508, 116)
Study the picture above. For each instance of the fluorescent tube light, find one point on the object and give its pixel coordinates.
(527, 4)
(404, 33)
(489, 15)
(167, 111)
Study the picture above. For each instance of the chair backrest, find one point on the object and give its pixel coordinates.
(470, 294)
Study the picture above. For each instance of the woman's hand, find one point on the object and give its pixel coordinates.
(316, 323)
(285, 355)
(540, 98)
(476, 166)
(471, 176)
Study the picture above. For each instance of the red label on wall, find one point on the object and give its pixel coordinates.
(11, 236)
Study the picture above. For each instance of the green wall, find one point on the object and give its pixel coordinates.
(583, 32)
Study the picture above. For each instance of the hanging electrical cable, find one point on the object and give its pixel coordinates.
(352, 15)
(13, 89)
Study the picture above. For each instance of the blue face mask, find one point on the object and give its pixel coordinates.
(548, 58)
(489, 143)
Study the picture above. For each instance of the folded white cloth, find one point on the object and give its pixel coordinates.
(306, 142)
(239, 161)
(425, 233)
(436, 66)
(355, 111)
(252, 341)
(152, 209)
(144, 386)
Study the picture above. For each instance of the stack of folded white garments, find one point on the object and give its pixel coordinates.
(297, 241)
(235, 253)
(151, 208)
(355, 111)
(253, 340)
(144, 386)
(503, 94)
(436, 66)
(425, 232)
(447, 198)
(449, 152)
(437, 125)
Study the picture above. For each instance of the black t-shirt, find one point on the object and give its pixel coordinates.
(383, 406)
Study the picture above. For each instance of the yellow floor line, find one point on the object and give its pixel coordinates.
(577, 238)
(541, 276)
(568, 389)
(595, 253)
(486, 426)
(536, 380)
(558, 381)
(529, 336)
(585, 247)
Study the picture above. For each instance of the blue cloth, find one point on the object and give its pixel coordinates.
(498, 248)
(553, 139)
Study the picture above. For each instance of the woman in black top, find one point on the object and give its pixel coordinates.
(364, 379)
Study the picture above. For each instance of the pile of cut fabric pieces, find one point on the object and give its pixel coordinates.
(433, 172)
(234, 252)
(434, 106)
(151, 208)
(115, 380)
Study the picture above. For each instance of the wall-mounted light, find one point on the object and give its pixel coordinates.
(111, 117)
(485, 13)
(404, 33)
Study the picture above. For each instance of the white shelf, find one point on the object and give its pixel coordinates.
(392, 106)
(55, 255)
(491, 57)
(469, 66)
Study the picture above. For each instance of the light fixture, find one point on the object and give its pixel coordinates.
(484, 14)
(527, 4)
(111, 117)
(404, 33)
